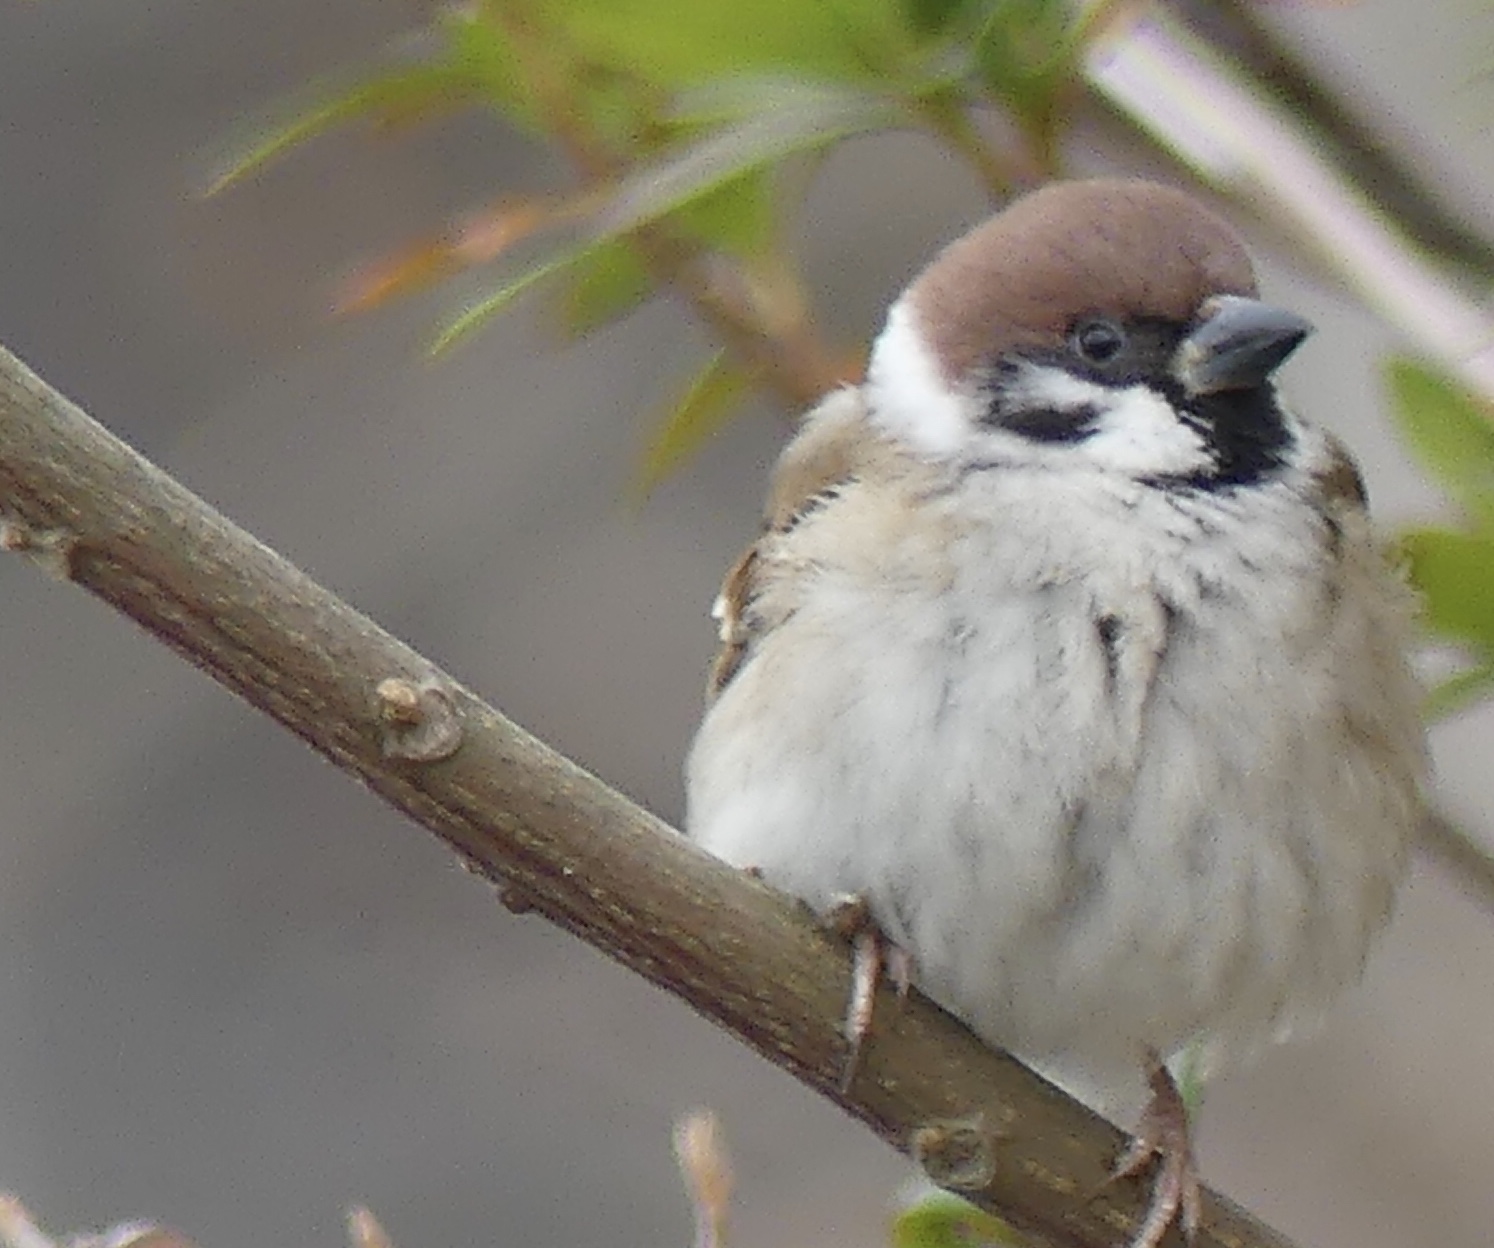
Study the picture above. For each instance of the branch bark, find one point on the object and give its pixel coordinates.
(553, 839)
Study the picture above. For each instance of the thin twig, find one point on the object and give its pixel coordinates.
(701, 1152)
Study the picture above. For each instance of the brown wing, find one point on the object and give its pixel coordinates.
(823, 457)
(732, 614)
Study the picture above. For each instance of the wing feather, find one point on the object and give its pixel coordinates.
(825, 456)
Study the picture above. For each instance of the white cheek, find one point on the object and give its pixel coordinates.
(1136, 432)
(1037, 385)
(907, 395)
(1140, 433)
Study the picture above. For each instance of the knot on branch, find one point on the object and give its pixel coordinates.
(420, 721)
(958, 1155)
(49, 549)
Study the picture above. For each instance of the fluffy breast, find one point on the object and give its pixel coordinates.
(1116, 768)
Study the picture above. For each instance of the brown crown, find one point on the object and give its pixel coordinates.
(1122, 248)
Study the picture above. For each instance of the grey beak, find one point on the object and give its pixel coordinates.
(1238, 344)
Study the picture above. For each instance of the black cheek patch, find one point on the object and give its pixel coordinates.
(1052, 425)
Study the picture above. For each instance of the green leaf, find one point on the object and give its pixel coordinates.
(604, 286)
(737, 217)
(1448, 430)
(477, 52)
(814, 119)
(943, 1220)
(738, 96)
(462, 61)
(1189, 1070)
(1455, 573)
(680, 43)
(419, 91)
(936, 17)
(727, 159)
(734, 215)
(489, 305)
(621, 110)
(714, 395)
(1021, 54)
(1457, 692)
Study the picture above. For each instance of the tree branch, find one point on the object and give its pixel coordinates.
(554, 839)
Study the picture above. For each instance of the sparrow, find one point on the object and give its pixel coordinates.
(1067, 654)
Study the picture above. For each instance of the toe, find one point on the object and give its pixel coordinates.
(1163, 1136)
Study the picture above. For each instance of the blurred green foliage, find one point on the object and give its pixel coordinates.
(942, 1220)
(684, 119)
(1451, 434)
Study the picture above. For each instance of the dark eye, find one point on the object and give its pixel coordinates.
(1098, 341)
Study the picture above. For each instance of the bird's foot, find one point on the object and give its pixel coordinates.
(1163, 1136)
(874, 957)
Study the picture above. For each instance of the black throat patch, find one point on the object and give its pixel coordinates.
(1245, 431)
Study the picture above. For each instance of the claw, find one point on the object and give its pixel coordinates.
(1162, 1136)
(873, 957)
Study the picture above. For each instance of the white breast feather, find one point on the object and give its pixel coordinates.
(1086, 849)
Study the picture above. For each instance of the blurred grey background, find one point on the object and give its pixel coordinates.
(237, 994)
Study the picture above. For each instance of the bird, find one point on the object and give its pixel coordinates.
(1066, 657)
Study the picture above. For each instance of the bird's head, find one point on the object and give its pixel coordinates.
(1109, 325)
